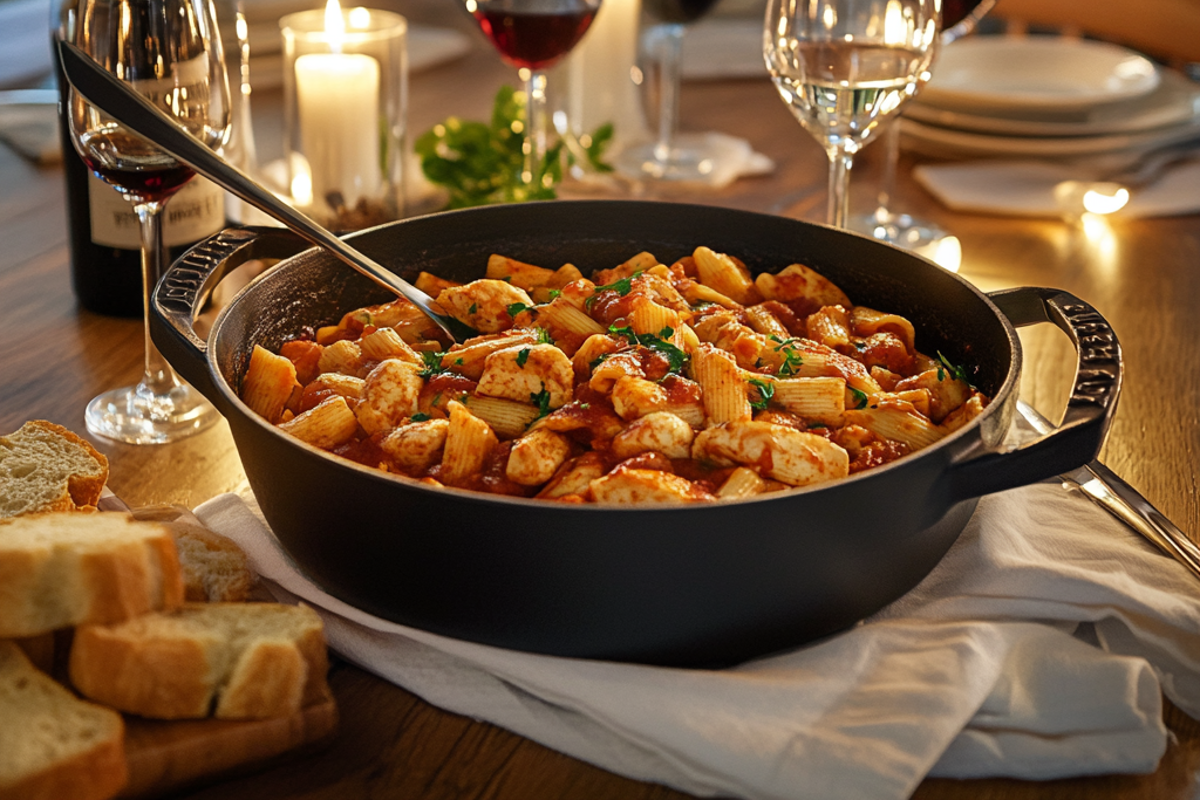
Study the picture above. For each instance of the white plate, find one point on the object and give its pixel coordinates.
(945, 143)
(1175, 101)
(1036, 72)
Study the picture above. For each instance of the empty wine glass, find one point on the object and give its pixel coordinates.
(843, 67)
(673, 155)
(533, 35)
(170, 52)
(959, 18)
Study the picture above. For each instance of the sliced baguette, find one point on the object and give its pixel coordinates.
(45, 467)
(228, 660)
(64, 569)
(52, 744)
(215, 568)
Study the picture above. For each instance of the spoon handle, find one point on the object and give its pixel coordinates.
(105, 91)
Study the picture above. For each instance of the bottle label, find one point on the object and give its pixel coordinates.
(195, 212)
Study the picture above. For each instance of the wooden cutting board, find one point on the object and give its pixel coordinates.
(165, 756)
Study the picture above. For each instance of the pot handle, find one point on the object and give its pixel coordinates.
(1090, 408)
(188, 284)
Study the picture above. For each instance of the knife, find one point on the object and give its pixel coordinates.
(1110, 492)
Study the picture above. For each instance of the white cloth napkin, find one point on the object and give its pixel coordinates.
(1026, 188)
(974, 673)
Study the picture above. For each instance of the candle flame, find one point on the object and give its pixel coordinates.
(335, 26)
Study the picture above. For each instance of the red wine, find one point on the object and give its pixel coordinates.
(106, 263)
(678, 11)
(535, 39)
(955, 11)
(135, 168)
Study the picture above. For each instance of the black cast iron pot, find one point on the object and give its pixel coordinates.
(702, 584)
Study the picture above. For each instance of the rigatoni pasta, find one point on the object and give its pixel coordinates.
(647, 383)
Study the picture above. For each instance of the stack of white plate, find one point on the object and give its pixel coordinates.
(1048, 97)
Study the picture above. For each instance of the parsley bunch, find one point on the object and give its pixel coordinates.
(481, 162)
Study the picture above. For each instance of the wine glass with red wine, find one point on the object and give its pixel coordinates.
(672, 155)
(533, 35)
(170, 52)
(959, 18)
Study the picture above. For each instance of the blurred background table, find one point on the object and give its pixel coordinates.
(1144, 275)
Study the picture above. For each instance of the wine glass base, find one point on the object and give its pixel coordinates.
(135, 415)
(691, 157)
(923, 238)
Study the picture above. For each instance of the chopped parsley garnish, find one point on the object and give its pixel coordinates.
(791, 358)
(860, 397)
(766, 390)
(622, 286)
(958, 373)
(419, 417)
(522, 357)
(598, 360)
(815, 425)
(474, 307)
(516, 308)
(554, 293)
(544, 336)
(458, 362)
(541, 400)
(676, 358)
(433, 363)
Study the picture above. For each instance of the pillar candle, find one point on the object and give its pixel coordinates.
(338, 108)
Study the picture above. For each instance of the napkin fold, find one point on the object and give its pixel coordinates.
(1027, 188)
(1038, 648)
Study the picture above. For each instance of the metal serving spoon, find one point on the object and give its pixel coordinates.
(107, 93)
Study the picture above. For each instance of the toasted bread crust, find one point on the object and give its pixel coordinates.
(94, 569)
(229, 660)
(65, 489)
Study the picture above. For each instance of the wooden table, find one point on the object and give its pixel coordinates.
(1144, 275)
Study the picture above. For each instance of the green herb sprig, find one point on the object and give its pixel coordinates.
(958, 373)
(791, 358)
(766, 390)
(481, 162)
(676, 358)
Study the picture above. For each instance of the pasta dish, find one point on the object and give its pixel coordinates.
(646, 383)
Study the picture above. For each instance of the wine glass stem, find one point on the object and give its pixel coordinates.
(840, 162)
(534, 146)
(670, 63)
(891, 164)
(157, 376)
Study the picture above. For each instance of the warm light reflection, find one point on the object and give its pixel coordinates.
(895, 26)
(1102, 246)
(948, 254)
(1105, 200)
(302, 188)
(360, 18)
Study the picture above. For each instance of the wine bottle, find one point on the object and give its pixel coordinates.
(106, 266)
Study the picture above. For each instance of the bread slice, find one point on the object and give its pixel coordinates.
(52, 744)
(229, 660)
(45, 467)
(215, 568)
(64, 569)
